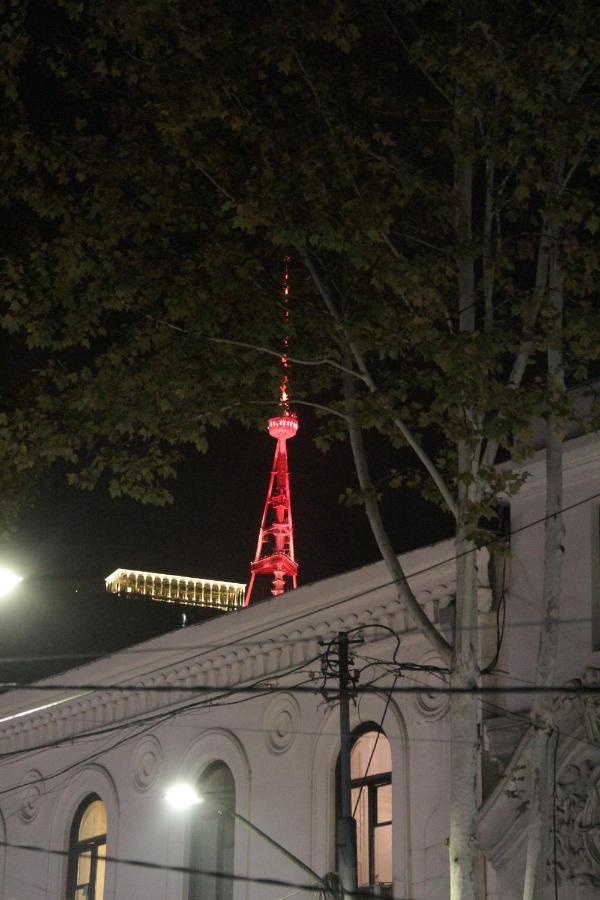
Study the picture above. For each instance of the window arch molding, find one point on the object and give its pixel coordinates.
(216, 745)
(327, 747)
(96, 780)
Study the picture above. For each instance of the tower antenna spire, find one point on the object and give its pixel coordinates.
(275, 556)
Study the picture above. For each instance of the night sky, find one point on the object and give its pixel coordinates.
(69, 541)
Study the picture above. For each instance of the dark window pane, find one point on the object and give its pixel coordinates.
(212, 836)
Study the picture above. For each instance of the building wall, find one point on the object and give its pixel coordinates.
(282, 746)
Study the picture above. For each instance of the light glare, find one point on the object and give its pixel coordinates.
(182, 796)
(8, 581)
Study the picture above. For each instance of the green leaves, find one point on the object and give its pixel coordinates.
(185, 151)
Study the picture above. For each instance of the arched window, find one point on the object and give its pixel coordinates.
(212, 835)
(87, 849)
(371, 780)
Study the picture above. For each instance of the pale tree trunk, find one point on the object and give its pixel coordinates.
(538, 820)
(464, 713)
(464, 748)
(403, 590)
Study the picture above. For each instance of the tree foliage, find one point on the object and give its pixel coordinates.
(432, 170)
(160, 159)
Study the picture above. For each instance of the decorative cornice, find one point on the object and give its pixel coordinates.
(502, 824)
(223, 668)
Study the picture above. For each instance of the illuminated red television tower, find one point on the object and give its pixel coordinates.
(275, 548)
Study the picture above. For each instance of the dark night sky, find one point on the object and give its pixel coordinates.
(69, 541)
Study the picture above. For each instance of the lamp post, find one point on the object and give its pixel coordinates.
(8, 581)
(183, 796)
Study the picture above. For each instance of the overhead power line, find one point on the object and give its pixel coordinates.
(304, 689)
(274, 642)
(189, 870)
(248, 642)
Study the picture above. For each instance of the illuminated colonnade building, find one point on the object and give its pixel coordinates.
(220, 595)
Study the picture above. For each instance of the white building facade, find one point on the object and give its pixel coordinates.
(84, 765)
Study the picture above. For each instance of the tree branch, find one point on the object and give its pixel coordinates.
(405, 594)
(325, 361)
(488, 260)
(214, 183)
(405, 431)
(548, 238)
(430, 466)
(432, 81)
(322, 406)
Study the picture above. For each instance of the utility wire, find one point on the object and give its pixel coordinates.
(189, 870)
(523, 717)
(277, 644)
(379, 731)
(150, 720)
(303, 689)
(149, 723)
(248, 642)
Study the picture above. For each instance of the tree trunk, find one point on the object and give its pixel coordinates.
(464, 749)
(538, 825)
(464, 714)
(403, 589)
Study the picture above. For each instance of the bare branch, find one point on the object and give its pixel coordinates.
(331, 308)
(131, 55)
(432, 81)
(388, 241)
(405, 594)
(429, 465)
(407, 434)
(571, 172)
(325, 361)
(165, 323)
(549, 236)
(489, 266)
(214, 183)
(322, 406)
(313, 89)
(463, 225)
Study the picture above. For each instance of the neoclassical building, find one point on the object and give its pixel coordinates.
(231, 707)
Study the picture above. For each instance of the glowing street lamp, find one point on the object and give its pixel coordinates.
(8, 581)
(182, 796)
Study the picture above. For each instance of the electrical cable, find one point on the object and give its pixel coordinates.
(381, 627)
(345, 599)
(150, 721)
(379, 731)
(303, 689)
(106, 749)
(189, 870)
(287, 642)
(533, 689)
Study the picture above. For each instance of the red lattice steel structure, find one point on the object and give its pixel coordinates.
(275, 555)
